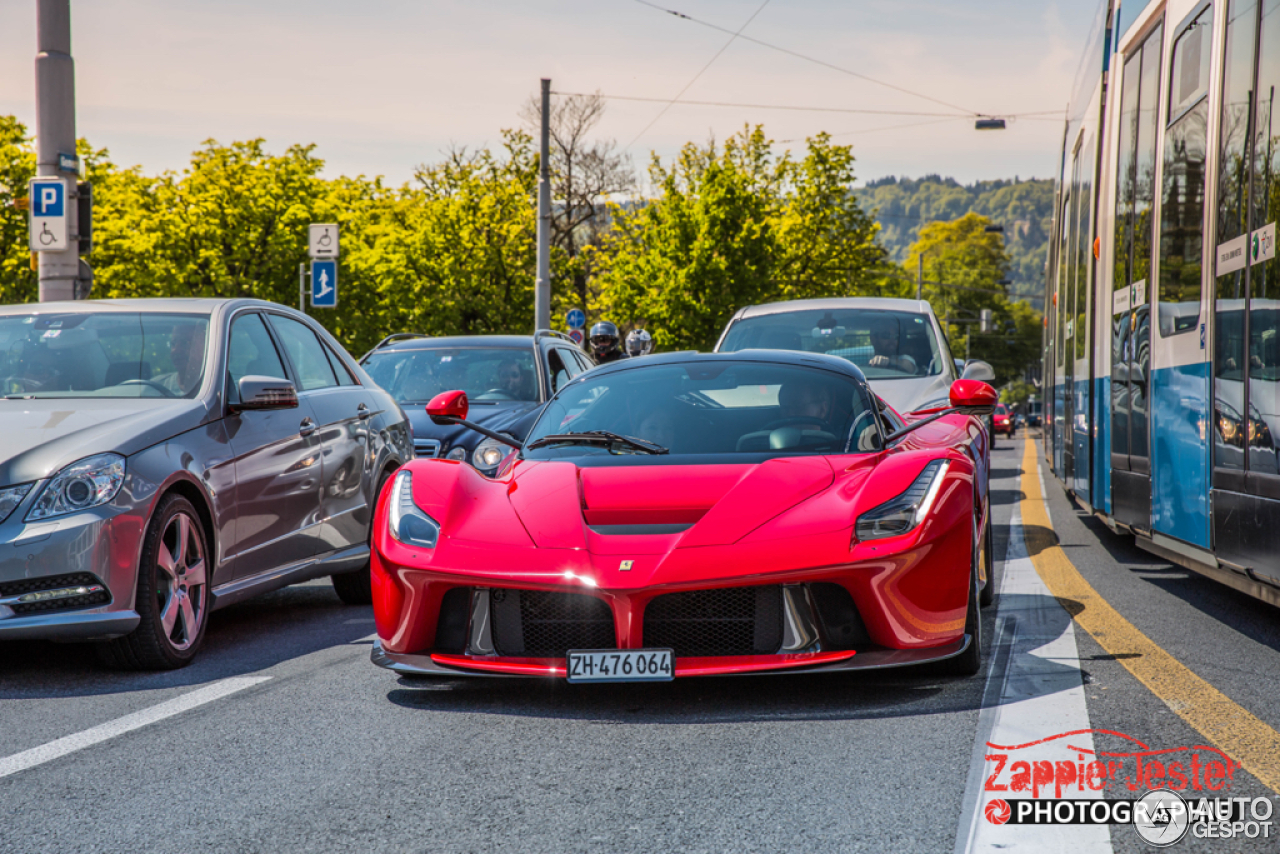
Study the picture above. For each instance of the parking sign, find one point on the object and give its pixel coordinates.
(48, 215)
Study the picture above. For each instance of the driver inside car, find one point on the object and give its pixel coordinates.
(886, 338)
(511, 380)
(807, 400)
(186, 349)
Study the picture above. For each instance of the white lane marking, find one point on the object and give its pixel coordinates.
(89, 737)
(1034, 690)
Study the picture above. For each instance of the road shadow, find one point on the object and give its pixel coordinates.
(241, 639)
(904, 692)
(1251, 617)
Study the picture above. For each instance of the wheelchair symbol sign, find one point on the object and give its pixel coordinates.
(48, 231)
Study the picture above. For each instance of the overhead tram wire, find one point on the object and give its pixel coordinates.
(848, 110)
(701, 71)
(821, 62)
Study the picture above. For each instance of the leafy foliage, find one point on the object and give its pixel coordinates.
(732, 226)
(904, 206)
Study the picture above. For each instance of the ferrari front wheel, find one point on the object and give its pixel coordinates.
(969, 662)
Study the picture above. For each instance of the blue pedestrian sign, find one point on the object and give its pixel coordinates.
(576, 318)
(324, 284)
(48, 215)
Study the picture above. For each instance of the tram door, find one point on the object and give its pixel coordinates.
(1246, 358)
(1131, 293)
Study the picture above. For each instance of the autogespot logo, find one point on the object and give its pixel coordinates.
(998, 811)
(1161, 818)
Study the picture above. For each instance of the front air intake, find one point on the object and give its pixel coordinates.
(728, 621)
(546, 624)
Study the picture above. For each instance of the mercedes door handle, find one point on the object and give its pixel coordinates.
(363, 412)
(307, 427)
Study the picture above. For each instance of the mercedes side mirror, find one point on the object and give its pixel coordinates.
(258, 393)
(976, 369)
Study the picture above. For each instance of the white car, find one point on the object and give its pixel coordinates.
(898, 343)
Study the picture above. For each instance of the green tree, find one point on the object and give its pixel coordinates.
(970, 262)
(18, 283)
(732, 226)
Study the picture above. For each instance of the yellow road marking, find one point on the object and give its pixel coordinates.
(1223, 722)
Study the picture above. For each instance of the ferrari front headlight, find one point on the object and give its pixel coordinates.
(90, 482)
(407, 522)
(902, 514)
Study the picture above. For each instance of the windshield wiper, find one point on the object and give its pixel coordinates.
(597, 437)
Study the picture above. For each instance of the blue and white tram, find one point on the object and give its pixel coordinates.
(1162, 338)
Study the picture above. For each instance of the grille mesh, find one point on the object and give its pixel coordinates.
(53, 582)
(728, 621)
(546, 624)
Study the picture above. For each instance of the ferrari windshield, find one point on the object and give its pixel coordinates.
(102, 354)
(884, 344)
(484, 373)
(707, 407)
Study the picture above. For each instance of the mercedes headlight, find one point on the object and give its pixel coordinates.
(88, 483)
(902, 514)
(406, 520)
(11, 497)
(488, 454)
(459, 453)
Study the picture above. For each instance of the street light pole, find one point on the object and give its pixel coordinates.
(542, 287)
(55, 134)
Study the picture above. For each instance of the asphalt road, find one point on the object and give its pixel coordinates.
(326, 752)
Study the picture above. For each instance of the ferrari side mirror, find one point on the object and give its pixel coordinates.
(448, 406)
(973, 394)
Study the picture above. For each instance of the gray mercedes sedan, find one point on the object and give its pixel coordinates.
(163, 458)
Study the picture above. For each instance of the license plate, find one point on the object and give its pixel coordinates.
(621, 665)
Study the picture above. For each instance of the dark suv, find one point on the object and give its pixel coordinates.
(507, 379)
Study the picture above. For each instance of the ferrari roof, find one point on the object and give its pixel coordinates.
(777, 357)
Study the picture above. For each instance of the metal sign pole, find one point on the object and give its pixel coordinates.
(542, 286)
(302, 288)
(55, 134)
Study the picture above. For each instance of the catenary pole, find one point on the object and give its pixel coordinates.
(542, 288)
(55, 133)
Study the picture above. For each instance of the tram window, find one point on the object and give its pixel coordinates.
(1189, 81)
(1182, 222)
(1185, 156)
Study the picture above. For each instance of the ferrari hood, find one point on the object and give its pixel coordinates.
(652, 509)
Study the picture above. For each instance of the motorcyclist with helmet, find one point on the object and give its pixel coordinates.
(606, 343)
(639, 343)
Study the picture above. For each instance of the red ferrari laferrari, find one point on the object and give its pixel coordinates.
(694, 515)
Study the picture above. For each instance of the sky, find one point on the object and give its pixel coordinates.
(384, 86)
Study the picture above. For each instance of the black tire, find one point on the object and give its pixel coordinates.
(354, 587)
(969, 662)
(988, 559)
(172, 594)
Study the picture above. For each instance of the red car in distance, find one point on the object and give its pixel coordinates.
(1003, 421)
(692, 515)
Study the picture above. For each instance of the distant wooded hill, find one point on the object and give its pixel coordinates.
(1024, 208)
